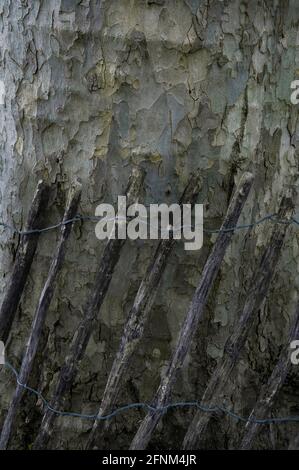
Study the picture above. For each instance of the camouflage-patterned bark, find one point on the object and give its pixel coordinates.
(92, 87)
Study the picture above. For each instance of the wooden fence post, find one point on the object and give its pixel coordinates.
(137, 318)
(23, 261)
(82, 333)
(40, 315)
(195, 311)
(257, 293)
(272, 387)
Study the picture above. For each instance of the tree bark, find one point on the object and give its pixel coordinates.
(294, 445)
(40, 315)
(93, 87)
(23, 261)
(271, 389)
(234, 345)
(137, 318)
(195, 312)
(83, 332)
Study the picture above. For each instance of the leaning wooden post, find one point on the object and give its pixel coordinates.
(274, 384)
(138, 316)
(256, 295)
(40, 315)
(82, 333)
(23, 261)
(195, 312)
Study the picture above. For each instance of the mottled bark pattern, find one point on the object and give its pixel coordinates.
(92, 87)
(40, 314)
(83, 332)
(195, 312)
(23, 261)
(138, 315)
(272, 387)
(256, 295)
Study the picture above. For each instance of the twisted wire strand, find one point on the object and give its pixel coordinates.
(149, 407)
(146, 406)
(78, 217)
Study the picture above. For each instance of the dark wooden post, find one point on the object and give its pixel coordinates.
(40, 315)
(23, 261)
(274, 384)
(257, 293)
(195, 311)
(82, 333)
(137, 318)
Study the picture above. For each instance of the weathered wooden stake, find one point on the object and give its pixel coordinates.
(274, 384)
(40, 316)
(137, 318)
(82, 334)
(23, 261)
(257, 293)
(195, 312)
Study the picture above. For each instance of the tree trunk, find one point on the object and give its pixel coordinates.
(92, 88)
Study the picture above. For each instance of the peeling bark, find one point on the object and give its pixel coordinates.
(23, 261)
(93, 87)
(274, 384)
(194, 313)
(234, 345)
(83, 332)
(40, 315)
(134, 328)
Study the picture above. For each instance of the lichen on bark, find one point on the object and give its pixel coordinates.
(93, 87)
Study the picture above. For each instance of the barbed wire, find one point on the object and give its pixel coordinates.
(149, 407)
(146, 406)
(79, 217)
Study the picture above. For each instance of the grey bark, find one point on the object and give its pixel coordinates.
(93, 87)
(234, 345)
(23, 261)
(138, 315)
(40, 315)
(195, 312)
(272, 387)
(83, 332)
